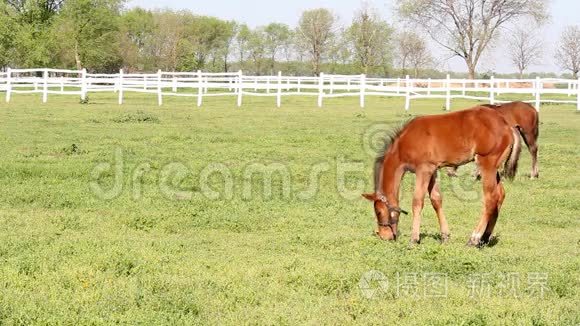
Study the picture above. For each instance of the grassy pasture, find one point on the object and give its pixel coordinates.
(159, 250)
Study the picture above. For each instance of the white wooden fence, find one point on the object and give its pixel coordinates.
(202, 85)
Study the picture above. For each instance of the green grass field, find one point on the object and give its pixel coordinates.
(176, 237)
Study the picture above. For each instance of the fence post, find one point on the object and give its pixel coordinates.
(159, 88)
(407, 94)
(429, 86)
(538, 85)
(491, 91)
(448, 93)
(84, 84)
(120, 86)
(578, 95)
(279, 90)
(267, 84)
(44, 85)
(240, 88)
(61, 83)
(8, 84)
(144, 82)
(463, 87)
(199, 88)
(299, 84)
(363, 85)
(320, 89)
(398, 85)
(174, 84)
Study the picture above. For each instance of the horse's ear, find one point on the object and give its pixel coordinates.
(372, 197)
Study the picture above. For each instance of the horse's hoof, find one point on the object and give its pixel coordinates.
(473, 242)
(413, 242)
(385, 236)
(484, 240)
(444, 238)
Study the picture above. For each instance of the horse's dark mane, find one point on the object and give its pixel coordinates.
(390, 138)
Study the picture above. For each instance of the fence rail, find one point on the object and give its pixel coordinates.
(202, 84)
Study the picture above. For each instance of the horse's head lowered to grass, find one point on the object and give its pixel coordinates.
(387, 216)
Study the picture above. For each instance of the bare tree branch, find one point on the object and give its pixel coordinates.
(467, 27)
(524, 49)
(568, 51)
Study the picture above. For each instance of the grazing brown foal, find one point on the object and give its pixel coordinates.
(525, 118)
(427, 143)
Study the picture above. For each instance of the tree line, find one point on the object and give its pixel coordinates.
(105, 36)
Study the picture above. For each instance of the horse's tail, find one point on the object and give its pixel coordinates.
(511, 164)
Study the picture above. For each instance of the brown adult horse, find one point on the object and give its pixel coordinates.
(427, 143)
(525, 118)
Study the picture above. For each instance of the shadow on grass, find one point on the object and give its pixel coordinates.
(493, 240)
(434, 236)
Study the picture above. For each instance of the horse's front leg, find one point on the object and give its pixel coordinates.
(421, 186)
(490, 202)
(500, 193)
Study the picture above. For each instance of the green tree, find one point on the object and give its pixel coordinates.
(206, 43)
(316, 29)
(136, 33)
(168, 45)
(35, 11)
(226, 48)
(88, 33)
(257, 49)
(369, 36)
(33, 42)
(242, 39)
(276, 36)
(7, 23)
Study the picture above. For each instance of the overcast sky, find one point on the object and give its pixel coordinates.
(261, 12)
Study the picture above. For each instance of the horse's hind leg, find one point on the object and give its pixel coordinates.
(437, 203)
(500, 193)
(533, 148)
(531, 140)
(490, 200)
